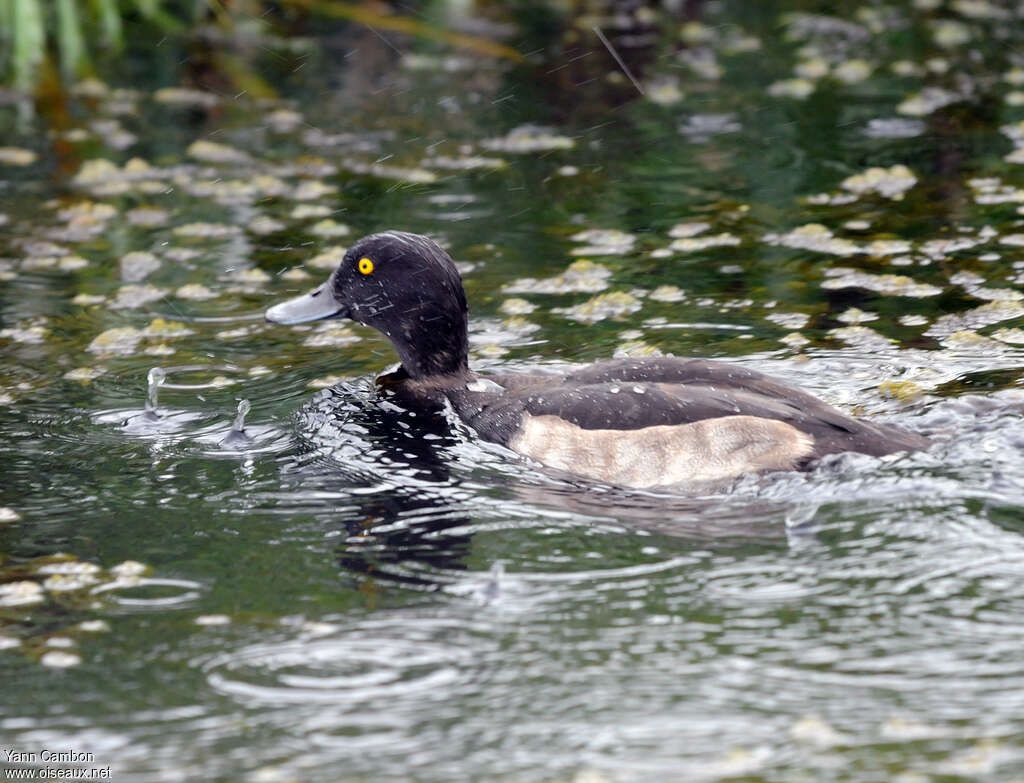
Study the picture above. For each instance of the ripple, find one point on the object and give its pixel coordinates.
(174, 593)
(365, 663)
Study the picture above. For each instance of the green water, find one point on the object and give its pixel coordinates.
(358, 594)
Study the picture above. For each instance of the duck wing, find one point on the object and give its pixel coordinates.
(633, 402)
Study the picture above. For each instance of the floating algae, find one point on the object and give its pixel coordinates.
(581, 276)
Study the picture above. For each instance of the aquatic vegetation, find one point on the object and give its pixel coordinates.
(814, 236)
(17, 156)
(517, 306)
(891, 183)
(602, 242)
(117, 340)
(527, 139)
(615, 304)
(693, 244)
(891, 285)
(581, 276)
(976, 318)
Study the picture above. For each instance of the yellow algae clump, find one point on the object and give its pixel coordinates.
(949, 34)
(664, 90)
(1012, 336)
(91, 88)
(312, 189)
(861, 337)
(138, 265)
(96, 171)
(887, 247)
(265, 224)
(813, 68)
(307, 211)
(119, 340)
(21, 593)
(207, 230)
(683, 230)
(517, 306)
(331, 337)
(799, 89)
(978, 318)
(692, 244)
(328, 259)
(195, 292)
(212, 152)
(611, 305)
(284, 120)
(90, 210)
(160, 327)
(968, 341)
(581, 276)
(148, 217)
(212, 619)
(182, 96)
(329, 228)
(892, 182)
(29, 335)
(854, 315)
(326, 381)
(892, 285)
(529, 138)
(88, 299)
(464, 163)
(696, 33)
(128, 568)
(132, 296)
(789, 320)
(812, 730)
(57, 659)
(814, 236)
(853, 71)
(254, 276)
(603, 242)
(668, 293)
(925, 102)
(414, 176)
(16, 156)
(84, 374)
(634, 348)
(904, 391)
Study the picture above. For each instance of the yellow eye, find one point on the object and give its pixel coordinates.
(365, 265)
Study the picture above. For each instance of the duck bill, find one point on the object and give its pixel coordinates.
(314, 306)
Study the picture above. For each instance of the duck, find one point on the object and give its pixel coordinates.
(636, 422)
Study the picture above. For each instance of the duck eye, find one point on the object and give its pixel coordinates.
(365, 265)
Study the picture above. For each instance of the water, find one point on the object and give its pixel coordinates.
(267, 573)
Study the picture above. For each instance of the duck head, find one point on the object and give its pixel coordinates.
(403, 285)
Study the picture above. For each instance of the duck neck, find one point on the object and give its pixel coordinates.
(433, 349)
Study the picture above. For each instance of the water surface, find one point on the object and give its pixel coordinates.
(366, 594)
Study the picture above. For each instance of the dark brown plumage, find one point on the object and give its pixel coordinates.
(641, 412)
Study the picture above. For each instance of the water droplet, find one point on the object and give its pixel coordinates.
(237, 437)
(155, 379)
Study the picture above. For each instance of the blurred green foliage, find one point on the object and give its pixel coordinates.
(34, 33)
(70, 35)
